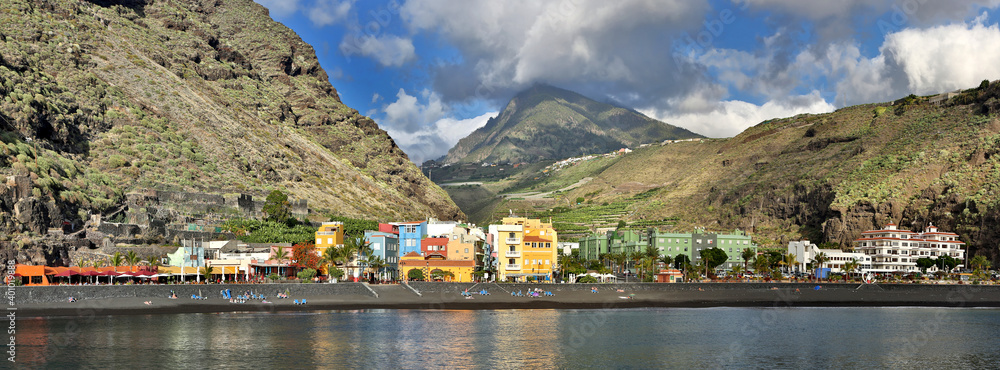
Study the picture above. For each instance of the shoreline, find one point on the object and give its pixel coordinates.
(447, 296)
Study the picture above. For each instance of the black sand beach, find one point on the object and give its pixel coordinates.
(114, 300)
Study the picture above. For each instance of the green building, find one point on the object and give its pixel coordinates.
(668, 244)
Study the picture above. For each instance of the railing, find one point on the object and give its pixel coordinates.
(512, 254)
(513, 241)
(513, 267)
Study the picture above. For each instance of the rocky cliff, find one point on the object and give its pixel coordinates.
(100, 98)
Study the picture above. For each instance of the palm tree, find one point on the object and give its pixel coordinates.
(850, 266)
(666, 260)
(207, 271)
(375, 264)
(330, 257)
(790, 261)
(81, 263)
(747, 254)
(117, 259)
(279, 255)
(819, 260)
(153, 261)
(98, 263)
(979, 263)
(761, 265)
(606, 259)
(354, 249)
(132, 258)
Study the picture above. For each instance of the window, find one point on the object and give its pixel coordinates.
(511, 235)
(510, 261)
(548, 245)
(329, 240)
(546, 262)
(319, 240)
(699, 241)
(466, 250)
(377, 246)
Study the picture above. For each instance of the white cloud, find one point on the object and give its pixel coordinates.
(328, 12)
(407, 114)
(729, 118)
(376, 97)
(946, 57)
(280, 8)
(387, 50)
(420, 126)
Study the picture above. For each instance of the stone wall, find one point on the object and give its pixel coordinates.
(438, 287)
(60, 293)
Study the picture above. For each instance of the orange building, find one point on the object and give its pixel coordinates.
(436, 267)
(330, 234)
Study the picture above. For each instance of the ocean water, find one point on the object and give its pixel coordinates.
(790, 338)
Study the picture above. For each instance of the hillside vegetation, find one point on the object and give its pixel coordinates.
(99, 98)
(825, 177)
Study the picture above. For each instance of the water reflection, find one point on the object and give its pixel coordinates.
(641, 338)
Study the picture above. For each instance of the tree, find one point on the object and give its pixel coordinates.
(586, 279)
(280, 255)
(790, 261)
(307, 274)
(276, 207)
(747, 254)
(117, 259)
(132, 258)
(713, 257)
(681, 261)
(375, 263)
(666, 260)
(207, 272)
(621, 224)
(924, 263)
(979, 263)
(355, 249)
(305, 255)
(415, 274)
(851, 266)
(820, 259)
(329, 259)
(946, 263)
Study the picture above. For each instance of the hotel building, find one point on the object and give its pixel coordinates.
(895, 250)
(525, 248)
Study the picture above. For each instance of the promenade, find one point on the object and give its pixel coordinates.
(113, 300)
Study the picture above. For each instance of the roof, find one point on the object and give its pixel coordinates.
(434, 241)
(437, 263)
(407, 223)
(533, 238)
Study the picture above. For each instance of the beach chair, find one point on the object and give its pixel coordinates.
(295, 301)
(303, 301)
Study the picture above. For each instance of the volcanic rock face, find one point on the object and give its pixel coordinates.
(100, 98)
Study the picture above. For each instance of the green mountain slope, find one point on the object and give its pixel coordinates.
(822, 177)
(545, 122)
(99, 98)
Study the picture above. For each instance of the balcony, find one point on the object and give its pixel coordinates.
(512, 254)
(513, 240)
(513, 267)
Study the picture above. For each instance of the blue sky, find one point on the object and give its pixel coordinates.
(432, 71)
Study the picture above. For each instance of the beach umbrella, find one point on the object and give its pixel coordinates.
(67, 273)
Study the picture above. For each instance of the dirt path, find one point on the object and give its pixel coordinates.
(536, 195)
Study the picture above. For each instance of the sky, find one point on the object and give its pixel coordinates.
(430, 72)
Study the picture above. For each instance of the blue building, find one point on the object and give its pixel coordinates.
(410, 235)
(385, 245)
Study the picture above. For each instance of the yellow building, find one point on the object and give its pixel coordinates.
(434, 267)
(330, 234)
(525, 248)
(461, 245)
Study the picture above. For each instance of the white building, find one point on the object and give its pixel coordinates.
(567, 248)
(437, 228)
(805, 252)
(895, 250)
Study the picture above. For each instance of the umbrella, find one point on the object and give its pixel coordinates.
(67, 273)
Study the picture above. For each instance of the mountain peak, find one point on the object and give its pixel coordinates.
(547, 122)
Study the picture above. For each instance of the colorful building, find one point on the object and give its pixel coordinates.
(526, 249)
(386, 246)
(462, 245)
(410, 236)
(436, 268)
(667, 244)
(330, 234)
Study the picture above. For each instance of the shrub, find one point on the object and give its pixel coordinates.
(306, 274)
